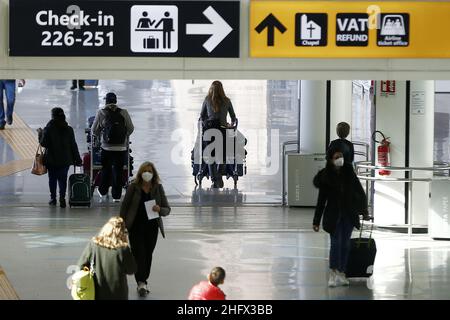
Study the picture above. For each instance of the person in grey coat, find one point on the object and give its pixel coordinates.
(112, 259)
(143, 230)
(114, 126)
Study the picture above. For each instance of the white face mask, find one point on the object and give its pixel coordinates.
(339, 162)
(147, 176)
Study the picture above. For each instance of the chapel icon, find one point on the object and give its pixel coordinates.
(310, 29)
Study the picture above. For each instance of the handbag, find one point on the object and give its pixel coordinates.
(38, 163)
(83, 284)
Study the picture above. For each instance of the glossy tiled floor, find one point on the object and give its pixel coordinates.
(269, 252)
(165, 115)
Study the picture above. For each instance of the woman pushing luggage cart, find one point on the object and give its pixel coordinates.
(213, 124)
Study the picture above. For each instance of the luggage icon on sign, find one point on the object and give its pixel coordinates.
(151, 43)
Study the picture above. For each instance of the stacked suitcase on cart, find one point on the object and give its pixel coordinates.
(234, 168)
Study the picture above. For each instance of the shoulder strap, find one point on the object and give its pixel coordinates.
(92, 264)
(115, 109)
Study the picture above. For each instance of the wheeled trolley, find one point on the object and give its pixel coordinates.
(235, 159)
(92, 164)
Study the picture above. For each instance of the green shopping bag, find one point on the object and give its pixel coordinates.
(83, 285)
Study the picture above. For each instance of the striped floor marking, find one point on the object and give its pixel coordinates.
(7, 291)
(23, 141)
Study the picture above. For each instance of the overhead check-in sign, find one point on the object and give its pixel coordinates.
(325, 29)
(124, 28)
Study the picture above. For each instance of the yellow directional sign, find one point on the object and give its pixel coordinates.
(325, 29)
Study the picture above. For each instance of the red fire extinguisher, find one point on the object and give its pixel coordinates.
(383, 153)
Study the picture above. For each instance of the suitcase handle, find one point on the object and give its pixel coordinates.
(75, 169)
(361, 230)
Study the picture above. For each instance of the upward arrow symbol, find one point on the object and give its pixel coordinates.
(270, 22)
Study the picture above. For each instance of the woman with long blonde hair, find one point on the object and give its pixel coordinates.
(145, 193)
(112, 260)
(215, 109)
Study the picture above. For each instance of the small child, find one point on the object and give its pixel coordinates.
(209, 290)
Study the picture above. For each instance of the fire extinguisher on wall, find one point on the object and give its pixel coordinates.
(383, 153)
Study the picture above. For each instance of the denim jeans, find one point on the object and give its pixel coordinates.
(340, 244)
(57, 175)
(9, 86)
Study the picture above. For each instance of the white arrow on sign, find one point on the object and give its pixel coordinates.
(218, 29)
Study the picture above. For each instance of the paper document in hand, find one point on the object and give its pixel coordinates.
(149, 208)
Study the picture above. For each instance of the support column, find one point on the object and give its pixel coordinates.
(323, 105)
(313, 117)
(341, 105)
(407, 117)
(389, 197)
(421, 143)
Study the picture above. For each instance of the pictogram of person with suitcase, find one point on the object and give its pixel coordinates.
(166, 23)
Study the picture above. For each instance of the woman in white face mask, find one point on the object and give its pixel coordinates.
(144, 204)
(341, 200)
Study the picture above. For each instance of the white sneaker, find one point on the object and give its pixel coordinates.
(332, 279)
(102, 197)
(341, 279)
(142, 289)
(116, 200)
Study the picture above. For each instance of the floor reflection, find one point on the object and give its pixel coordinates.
(214, 196)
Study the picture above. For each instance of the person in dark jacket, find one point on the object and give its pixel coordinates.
(144, 226)
(112, 260)
(215, 109)
(61, 152)
(341, 199)
(343, 130)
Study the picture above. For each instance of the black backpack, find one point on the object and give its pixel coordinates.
(114, 131)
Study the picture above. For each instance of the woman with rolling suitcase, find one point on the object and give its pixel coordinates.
(341, 199)
(61, 152)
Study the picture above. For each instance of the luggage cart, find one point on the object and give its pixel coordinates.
(231, 169)
(92, 161)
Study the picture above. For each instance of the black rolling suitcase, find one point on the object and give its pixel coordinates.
(79, 190)
(362, 256)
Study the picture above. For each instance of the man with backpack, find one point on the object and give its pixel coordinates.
(113, 125)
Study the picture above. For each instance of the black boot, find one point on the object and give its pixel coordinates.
(62, 202)
(52, 202)
(220, 182)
